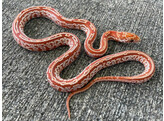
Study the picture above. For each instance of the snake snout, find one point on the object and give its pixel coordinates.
(132, 38)
(137, 39)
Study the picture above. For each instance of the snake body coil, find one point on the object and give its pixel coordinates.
(60, 39)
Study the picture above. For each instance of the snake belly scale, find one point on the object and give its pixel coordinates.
(75, 84)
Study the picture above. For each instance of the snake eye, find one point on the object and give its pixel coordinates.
(131, 40)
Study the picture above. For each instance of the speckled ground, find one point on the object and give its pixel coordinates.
(27, 96)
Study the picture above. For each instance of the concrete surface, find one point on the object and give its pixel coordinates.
(27, 96)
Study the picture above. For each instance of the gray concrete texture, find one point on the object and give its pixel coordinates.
(27, 96)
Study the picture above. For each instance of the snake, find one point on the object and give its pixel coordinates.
(82, 81)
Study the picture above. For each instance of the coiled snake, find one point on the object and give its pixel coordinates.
(75, 84)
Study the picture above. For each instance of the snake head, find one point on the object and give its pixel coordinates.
(131, 38)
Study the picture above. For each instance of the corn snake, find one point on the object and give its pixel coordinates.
(75, 84)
